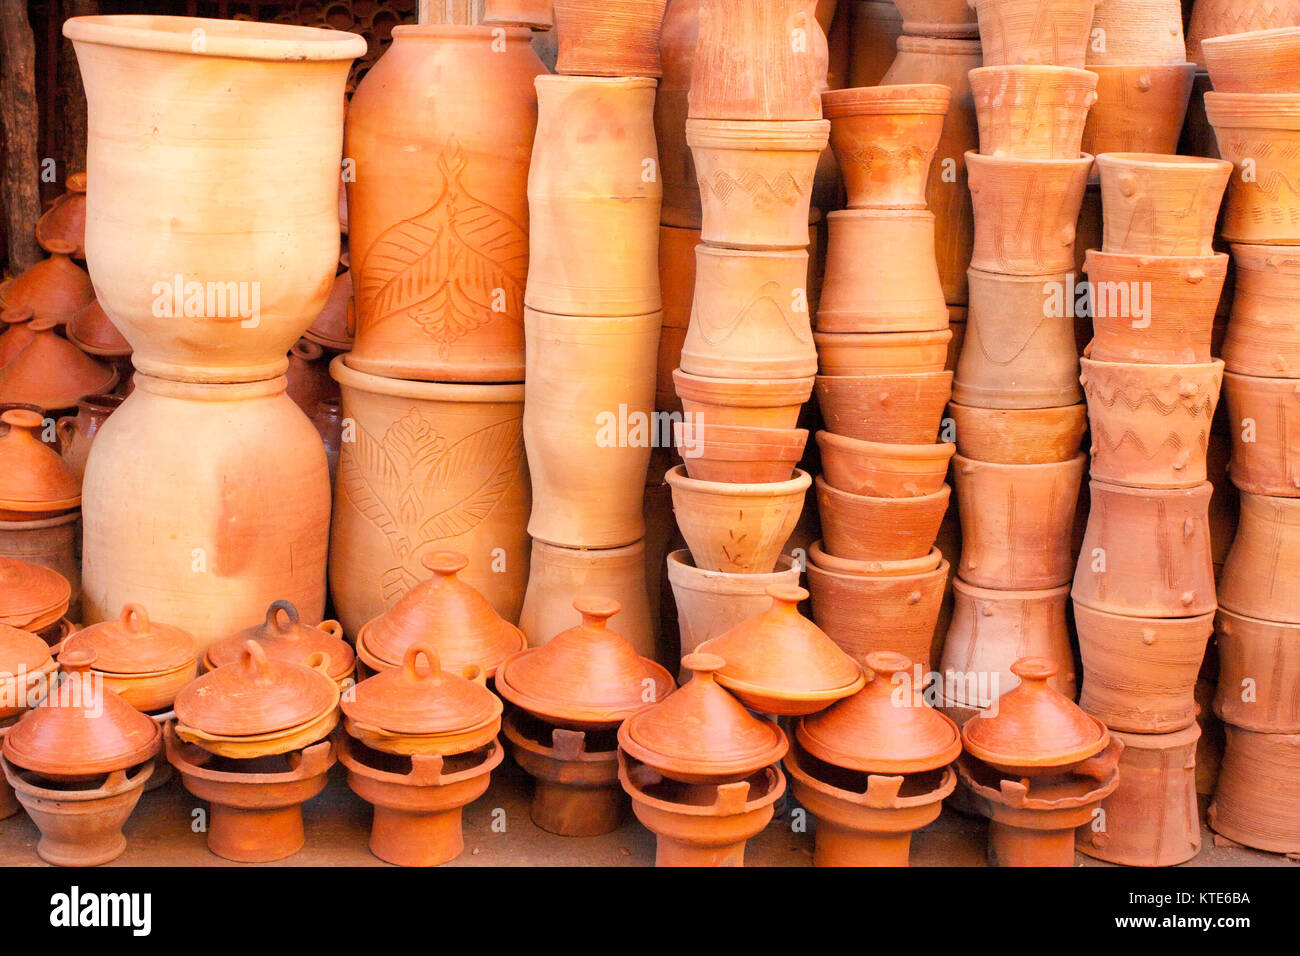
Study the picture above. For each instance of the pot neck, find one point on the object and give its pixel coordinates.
(206, 392)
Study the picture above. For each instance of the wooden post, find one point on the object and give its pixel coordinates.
(18, 116)
(72, 95)
(451, 11)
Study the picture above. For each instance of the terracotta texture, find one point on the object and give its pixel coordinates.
(55, 289)
(681, 203)
(1161, 205)
(604, 38)
(1139, 31)
(1259, 663)
(759, 403)
(146, 663)
(330, 328)
(53, 543)
(1262, 339)
(52, 373)
(1265, 436)
(882, 470)
(34, 481)
(900, 409)
(1258, 61)
(1256, 802)
(536, 14)
(77, 433)
(939, 18)
(863, 528)
(737, 453)
(284, 636)
(25, 667)
(1018, 436)
(677, 279)
(92, 331)
(1140, 108)
(1256, 576)
(1029, 31)
(65, 219)
(1259, 133)
(1032, 112)
(32, 597)
(1212, 18)
(867, 353)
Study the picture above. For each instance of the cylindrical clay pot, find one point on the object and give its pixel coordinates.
(1259, 576)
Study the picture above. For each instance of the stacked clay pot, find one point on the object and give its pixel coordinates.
(35, 598)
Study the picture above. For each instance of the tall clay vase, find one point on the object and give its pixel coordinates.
(1262, 337)
(425, 467)
(1034, 31)
(594, 194)
(1259, 133)
(247, 221)
(205, 503)
(1258, 577)
(1257, 801)
(681, 27)
(588, 425)
(1032, 112)
(1140, 108)
(441, 131)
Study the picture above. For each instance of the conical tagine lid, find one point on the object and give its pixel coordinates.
(133, 644)
(15, 333)
(587, 675)
(21, 653)
(884, 728)
(285, 638)
(701, 730)
(447, 613)
(55, 289)
(32, 597)
(33, 476)
(93, 331)
(52, 372)
(421, 698)
(65, 220)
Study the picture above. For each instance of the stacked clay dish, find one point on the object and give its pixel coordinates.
(35, 598)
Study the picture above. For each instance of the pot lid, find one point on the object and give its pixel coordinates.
(16, 334)
(81, 727)
(52, 372)
(54, 289)
(587, 674)
(331, 327)
(702, 729)
(31, 593)
(65, 220)
(33, 476)
(884, 728)
(255, 695)
(285, 638)
(424, 700)
(448, 614)
(92, 330)
(133, 644)
(1034, 725)
(21, 652)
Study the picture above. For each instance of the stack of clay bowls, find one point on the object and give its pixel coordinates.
(877, 580)
(570, 696)
(1255, 108)
(283, 636)
(1143, 591)
(34, 598)
(420, 743)
(26, 669)
(702, 771)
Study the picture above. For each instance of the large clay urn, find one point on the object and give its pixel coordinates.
(213, 253)
(205, 503)
(441, 132)
(1262, 566)
(1263, 338)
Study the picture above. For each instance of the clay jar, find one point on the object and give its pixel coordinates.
(1160, 205)
(862, 528)
(1032, 112)
(1259, 133)
(1150, 423)
(1140, 108)
(77, 433)
(438, 210)
(757, 403)
(1018, 436)
(1212, 18)
(1025, 212)
(1262, 339)
(1259, 61)
(883, 470)
(1259, 665)
(594, 212)
(1265, 434)
(758, 61)
(1034, 31)
(884, 139)
(1139, 31)
(1263, 560)
(608, 37)
(681, 205)
(276, 90)
(453, 455)
(869, 353)
(1257, 801)
(1146, 552)
(898, 409)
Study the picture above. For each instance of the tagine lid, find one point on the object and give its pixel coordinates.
(33, 476)
(1035, 725)
(884, 728)
(21, 652)
(702, 729)
(93, 331)
(133, 644)
(588, 674)
(52, 372)
(31, 594)
(285, 638)
(449, 614)
(256, 695)
(419, 697)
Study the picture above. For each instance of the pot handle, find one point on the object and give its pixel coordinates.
(253, 659)
(475, 673)
(331, 627)
(135, 618)
(430, 654)
(320, 662)
(273, 616)
(65, 428)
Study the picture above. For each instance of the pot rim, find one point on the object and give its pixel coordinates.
(1253, 110)
(1101, 68)
(228, 39)
(676, 476)
(1164, 741)
(210, 391)
(1200, 490)
(577, 81)
(877, 570)
(1255, 250)
(459, 31)
(1152, 368)
(1154, 162)
(1071, 164)
(466, 392)
(1262, 381)
(758, 436)
(683, 564)
(895, 451)
(828, 791)
(1032, 69)
(890, 100)
(1217, 262)
(872, 213)
(634, 550)
(758, 135)
(1280, 625)
(1081, 460)
(976, 593)
(944, 493)
(740, 392)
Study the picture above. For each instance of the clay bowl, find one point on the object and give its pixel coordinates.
(874, 353)
(1018, 436)
(737, 453)
(881, 469)
(1258, 61)
(1032, 111)
(1160, 205)
(879, 529)
(758, 403)
(903, 408)
(1139, 109)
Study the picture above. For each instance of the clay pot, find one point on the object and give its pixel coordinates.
(308, 376)
(870, 353)
(269, 86)
(874, 28)
(55, 289)
(1019, 348)
(1262, 339)
(863, 528)
(939, 18)
(535, 14)
(145, 663)
(1259, 662)
(1018, 436)
(92, 331)
(1161, 205)
(26, 668)
(1032, 112)
(1016, 522)
(885, 138)
(1150, 423)
(409, 441)
(1025, 212)
(328, 420)
(1256, 802)
(1139, 674)
(603, 38)
(32, 597)
(734, 453)
(77, 433)
(677, 41)
(1212, 18)
(750, 317)
(34, 481)
(594, 213)
(65, 219)
(52, 373)
(1260, 134)
(756, 178)
(53, 543)
(1146, 552)
(438, 214)
(1259, 61)
(1140, 108)
(1263, 552)
(882, 470)
(575, 784)
(897, 409)
(1031, 31)
(756, 403)
(1153, 309)
(1145, 31)
(758, 61)
(283, 636)
(1263, 434)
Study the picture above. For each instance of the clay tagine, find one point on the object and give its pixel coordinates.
(35, 482)
(65, 220)
(52, 373)
(32, 597)
(55, 289)
(25, 668)
(92, 331)
(284, 637)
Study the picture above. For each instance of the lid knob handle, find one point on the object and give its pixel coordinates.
(596, 610)
(1035, 668)
(273, 620)
(412, 656)
(703, 665)
(445, 563)
(135, 618)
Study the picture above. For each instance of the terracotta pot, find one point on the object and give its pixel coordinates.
(874, 28)
(1212, 18)
(1260, 134)
(1256, 802)
(438, 212)
(758, 61)
(594, 212)
(284, 636)
(17, 334)
(677, 279)
(885, 138)
(880, 273)
(1025, 212)
(1146, 31)
(1264, 431)
(55, 289)
(1146, 552)
(1160, 205)
(1253, 581)
(1150, 423)
(756, 403)
(34, 481)
(756, 179)
(603, 38)
(1261, 339)
(409, 440)
(870, 353)
(1259, 61)
(1028, 31)
(882, 470)
(899, 409)
(145, 663)
(677, 41)
(864, 528)
(143, 186)
(535, 14)
(92, 331)
(1019, 349)
(26, 672)
(1258, 666)
(939, 18)
(750, 317)
(1018, 436)
(738, 454)
(53, 543)
(65, 219)
(328, 420)
(575, 784)
(32, 597)
(77, 433)
(1032, 112)
(1153, 309)
(1140, 108)
(52, 373)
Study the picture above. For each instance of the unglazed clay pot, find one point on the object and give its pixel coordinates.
(1212, 18)
(145, 663)
(284, 636)
(1260, 134)
(35, 482)
(438, 210)
(52, 373)
(55, 289)
(862, 528)
(681, 205)
(1262, 339)
(1138, 31)
(1034, 31)
(1025, 212)
(869, 353)
(1150, 423)
(1018, 436)
(883, 470)
(874, 28)
(53, 543)
(900, 409)
(938, 18)
(535, 14)
(756, 179)
(608, 37)
(1265, 434)
(1259, 61)
(1140, 108)
(1146, 552)
(65, 219)
(1259, 666)
(1032, 111)
(758, 403)
(1161, 205)
(1257, 801)
(677, 280)
(77, 433)
(575, 779)
(425, 467)
(885, 138)
(758, 61)
(1263, 560)
(275, 89)
(737, 453)
(594, 211)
